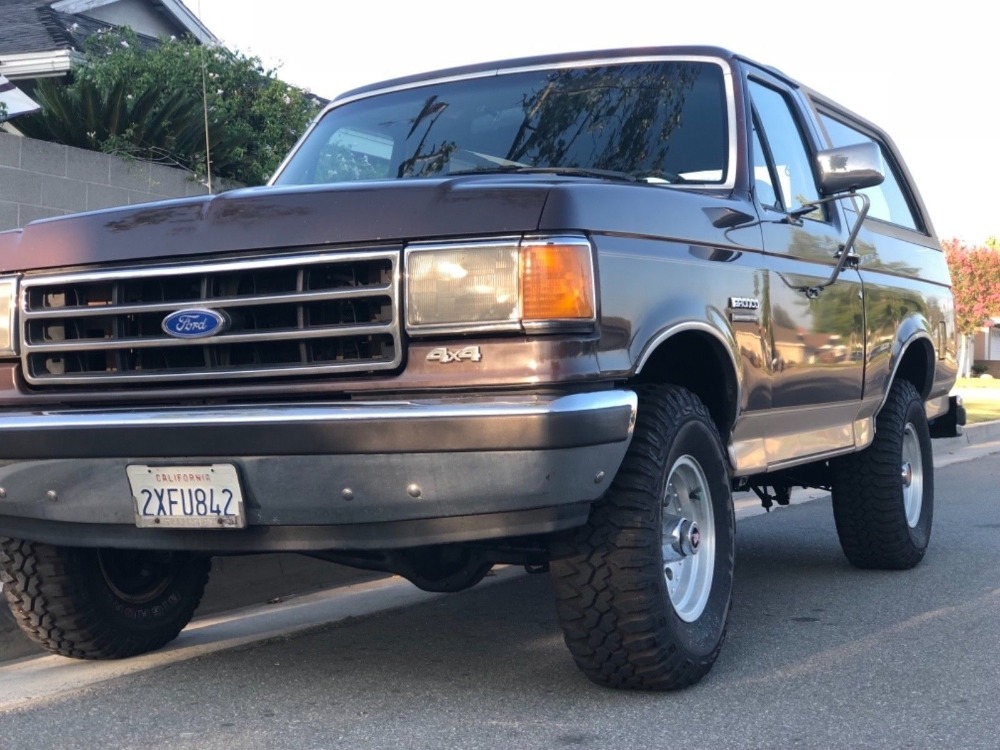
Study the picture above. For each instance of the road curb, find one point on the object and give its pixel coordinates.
(973, 434)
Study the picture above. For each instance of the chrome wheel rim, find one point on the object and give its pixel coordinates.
(688, 538)
(912, 476)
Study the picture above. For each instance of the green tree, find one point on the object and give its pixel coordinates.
(151, 103)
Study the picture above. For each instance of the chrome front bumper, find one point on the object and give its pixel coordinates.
(350, 475)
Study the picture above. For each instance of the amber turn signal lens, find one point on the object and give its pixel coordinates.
(557, 282)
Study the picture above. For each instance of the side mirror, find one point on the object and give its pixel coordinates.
(849, 168)
(842, 172)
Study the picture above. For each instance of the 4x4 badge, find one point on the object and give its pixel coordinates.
(445, 355)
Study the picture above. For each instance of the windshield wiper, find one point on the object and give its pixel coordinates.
(600, 174)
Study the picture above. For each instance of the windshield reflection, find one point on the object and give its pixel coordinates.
(659, 122)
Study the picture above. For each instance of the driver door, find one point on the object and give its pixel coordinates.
(816, 338)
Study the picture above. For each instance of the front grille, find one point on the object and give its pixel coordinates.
(289, 315)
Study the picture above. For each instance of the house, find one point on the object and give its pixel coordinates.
(986, 347)
(43, 38)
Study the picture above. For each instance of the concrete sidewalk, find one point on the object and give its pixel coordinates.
(257, 579)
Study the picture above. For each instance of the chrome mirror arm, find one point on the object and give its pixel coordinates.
(844, 253)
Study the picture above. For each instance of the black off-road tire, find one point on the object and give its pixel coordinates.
(878, 527)
(100, 604)
(616, 613)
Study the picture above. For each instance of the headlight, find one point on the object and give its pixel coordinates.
(8, 308)
(532, 283)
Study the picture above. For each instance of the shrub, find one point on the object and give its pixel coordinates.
(151, 103)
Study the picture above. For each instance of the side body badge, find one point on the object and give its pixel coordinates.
(744, 309)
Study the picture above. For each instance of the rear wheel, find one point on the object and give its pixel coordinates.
(643, 591)
(100, 604)
(883, 497)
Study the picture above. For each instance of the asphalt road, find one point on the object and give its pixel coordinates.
(819, 655)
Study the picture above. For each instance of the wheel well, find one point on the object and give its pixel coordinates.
(701, 364)
(917, 366)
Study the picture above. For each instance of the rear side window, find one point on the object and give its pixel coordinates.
(889, 202)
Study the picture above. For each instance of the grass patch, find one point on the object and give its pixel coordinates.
(981, 411)
(968, 384)
(981, 397)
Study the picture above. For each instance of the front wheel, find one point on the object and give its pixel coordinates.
(100, 603)
(883, 497)
(643, 591)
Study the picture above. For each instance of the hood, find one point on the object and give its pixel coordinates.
(281, 217)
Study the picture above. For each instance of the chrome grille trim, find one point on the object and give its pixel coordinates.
(113, 345)
(308, 313)
(83, 312)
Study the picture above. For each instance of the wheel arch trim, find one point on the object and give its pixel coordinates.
(726, 342)
(905, 346)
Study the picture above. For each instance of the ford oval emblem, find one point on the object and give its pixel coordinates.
(195, 324)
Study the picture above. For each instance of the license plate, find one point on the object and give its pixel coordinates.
(187, 497)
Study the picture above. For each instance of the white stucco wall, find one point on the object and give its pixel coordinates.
(138, 15)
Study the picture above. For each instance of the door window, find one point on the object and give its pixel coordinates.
(763, 178)
(791, 163)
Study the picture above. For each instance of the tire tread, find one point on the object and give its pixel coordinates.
(867, 494)
(604, 587)
(59, 614)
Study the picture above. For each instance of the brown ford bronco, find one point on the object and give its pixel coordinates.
(549, 312)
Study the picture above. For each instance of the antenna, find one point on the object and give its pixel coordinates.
(204, 103)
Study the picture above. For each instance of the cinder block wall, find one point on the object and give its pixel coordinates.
(39, 180)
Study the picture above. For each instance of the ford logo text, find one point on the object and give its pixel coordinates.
(195, 324)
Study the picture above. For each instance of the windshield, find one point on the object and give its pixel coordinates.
(653, 121)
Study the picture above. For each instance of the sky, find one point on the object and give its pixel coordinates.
(925, 73)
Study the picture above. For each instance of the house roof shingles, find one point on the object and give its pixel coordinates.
(23, 28)
(32, 26)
